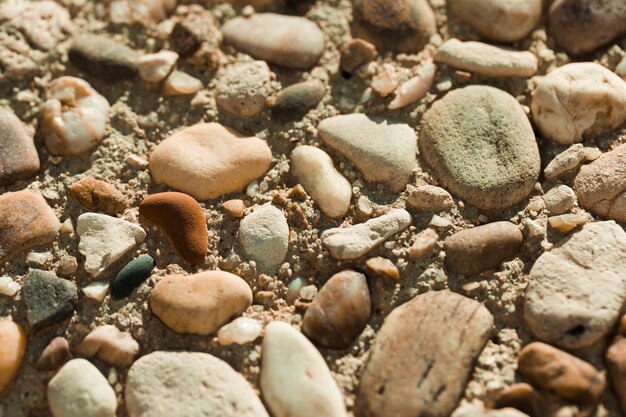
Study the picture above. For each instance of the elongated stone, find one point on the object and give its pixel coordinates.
(12, 350)
(132, 276)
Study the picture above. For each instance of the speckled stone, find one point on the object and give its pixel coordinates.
(132, 276)
(49, 299)
(18, 159)
(264, 236)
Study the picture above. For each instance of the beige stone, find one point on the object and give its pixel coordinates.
(110, 345)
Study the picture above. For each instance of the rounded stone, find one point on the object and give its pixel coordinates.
(190, 384)
(132, 276)
(79, 390)
(109, 345)
(199, 303)
(103, 57)
(339, 312)
(12, 350)
(264, 236)
(244, 88)
(55, 354)
(18, 159)
(295, 101)
(98, 195)
(481, 146)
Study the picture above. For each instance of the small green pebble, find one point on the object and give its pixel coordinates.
(131, 276)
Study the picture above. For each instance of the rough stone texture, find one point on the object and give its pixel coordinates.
(26, 220)
(569, 161)
(314, 169)
(182, 219)
(501, 21)
(12, 350)
(190, 384)
(98, 195)
(48, 298)
(559, 372)
(79, 390)
(601, 185)
(208, 160)
(481, 145)
(616, 365)
(355, 241)
(581, 26)
(481, 248)
(355, 53)
(264, 236)
(55, 354)
(199, 303)
(430, 198)
(196, 35)
(339, 312)
(287, 41)
(488, 60)
(132, 276)
(109, 345)
(401, 26)
(244, 88)
(105, 239)
(18, 159)
(384, 152)
(423, 356)
(103, 57)
(295, 380)
(576, 291)
(578, 101)
(559, 199)
(295, 101)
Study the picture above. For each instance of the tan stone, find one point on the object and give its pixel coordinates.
(234, 208)
(424, 243)
(12, 350)
(98, 195)
(110, 345)
(54, 355)
(383, 266)
(429, 197)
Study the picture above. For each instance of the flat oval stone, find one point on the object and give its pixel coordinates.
(575, 291)
(482, 147)
(295, 380)
(110, 345)
(208, 160)
(12, 350)
(287, 41)
(264, 236)
(49, 299)
(423, 356)
(132, 276)
(79, 390)
(295, 101)
(339, 312)
(581, 26)
(98, 195)
(199, 303)
(182, 219)
(19, 159)
(475, 250)
(103, 57)
(190, 384)
(26, 220)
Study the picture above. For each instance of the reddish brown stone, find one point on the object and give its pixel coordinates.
(19, 158)
(356, 53)
(99, 196)
(522, 397)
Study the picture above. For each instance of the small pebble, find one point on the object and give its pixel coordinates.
(234, 208)
(156, 67)
(242, 330)
(415, 88)
(383, 266)
(294, 288)
(48, 298)
(132, 276)
(98, 195)
(264, 236)
(430, 198)
(385, 81)
(19, 159)
(96, 290)
(179, 83)
(523, 397)
(560, 199)
(567, 222)
(295, 101)
(244, 89)
(424, 243)
(9, 287)
(308, 292)
(109, 345)
(55, 354)
(569, 161)
(355, 53)
(12, 350)
(103, 57)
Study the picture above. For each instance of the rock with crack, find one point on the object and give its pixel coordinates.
(105, 239)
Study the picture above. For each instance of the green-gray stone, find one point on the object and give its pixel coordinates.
(49, 299)
(131, 276)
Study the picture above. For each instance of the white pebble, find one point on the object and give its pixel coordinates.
(414, 89)
(96, 290)
(180, 83)
(8, 287)
(155, 67)
(438, 221)
(308, 292)
(242, 330)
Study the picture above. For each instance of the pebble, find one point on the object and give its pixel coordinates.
(355, 53)
(430, 198)
(74, 117)
(9, 287)
(424, 243)
(234, 208)
(615, 359)
(199, 303)
(432, 341)
(523, 397)
(96, 290)
(143, 12)
(79, 390)
(383, 266)
(339, 312)
(19, 159)
(98, 195)
(352, 242)
(477, 409)
(105, 239)
(244, 89)
(295, 101)
(569, 161)
(559, 372)
(287, 41)
(109, 345)
(560, 199)
(190, 384)
(154, 68)
(488, 60)
(481, 248)
(399, 25)
(103, 57)
(578, 101)
(383, 151)
(576, 290)
(415, 88)
(48, 298)
(580, 27)
(314, 169)
(502, 165)
(12, 350)
(182, 219)
(385, 81)
(264, 236)
(208, 160)
(500, 21)
(55, 354)
(566, 222)
(132, 276)
(601, 185)
(242, 330)
(295, 380)
(180, 83)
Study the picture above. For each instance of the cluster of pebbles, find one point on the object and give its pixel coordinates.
(369, 208)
